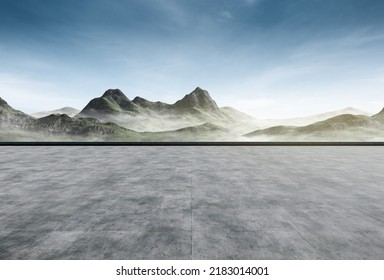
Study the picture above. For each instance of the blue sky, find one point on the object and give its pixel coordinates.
(268, 58)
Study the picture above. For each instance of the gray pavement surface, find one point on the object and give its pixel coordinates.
(192, 203)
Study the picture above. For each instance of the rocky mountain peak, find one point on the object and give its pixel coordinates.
(201, 93)
(198, 98)
(112, 101)
(115, 95)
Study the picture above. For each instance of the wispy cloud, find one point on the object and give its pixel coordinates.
(252, 2)
(226, 15)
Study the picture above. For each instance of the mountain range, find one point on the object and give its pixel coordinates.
(195, 117)
(112, 116)
(143, 115)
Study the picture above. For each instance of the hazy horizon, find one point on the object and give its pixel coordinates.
(266, 58)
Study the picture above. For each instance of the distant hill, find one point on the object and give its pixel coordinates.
(207, 127)
(343, 127)
(302, 121)
(69, 111)
(341, 122)
(204, 132)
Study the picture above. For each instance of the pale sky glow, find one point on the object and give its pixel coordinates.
(268, 58)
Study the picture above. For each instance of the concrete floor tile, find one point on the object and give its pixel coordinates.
(330, 219)
(46, 221)
(244, 245)
(347, 245)
(149, 243)
(216, 220)
(36, 245)
(119, 221)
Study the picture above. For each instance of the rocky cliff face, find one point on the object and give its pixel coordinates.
(55, 124)
(11, 118)
(63, 124)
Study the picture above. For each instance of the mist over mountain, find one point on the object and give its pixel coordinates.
(114, 101)
(195, 117)
(203, 132)
(343, 127)
(143, 115)
(307, 120)
(16, 125)
(56, 124)
(69, 111)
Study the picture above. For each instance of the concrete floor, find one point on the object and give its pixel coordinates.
(191, 203)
